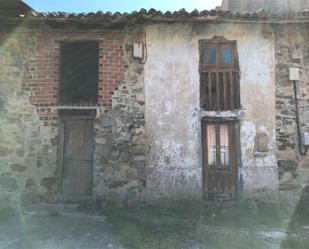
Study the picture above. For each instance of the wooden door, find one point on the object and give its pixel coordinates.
(77, 156)
(219, 159)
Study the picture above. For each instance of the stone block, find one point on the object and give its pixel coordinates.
(4, 151)
(139, 139)
(8, 182)
(107, 121)
(139, 157)
(131, 175)
(20, 152)
(102, 149)
(283, 73)
(117, 184)
(124, 147)
(29, 183)
(112, 158)
(39, 163)
(125, 157)
(100, 140)
(108, 177)
(121, 167)
(48, 182)
(288, 165)
(18, 167)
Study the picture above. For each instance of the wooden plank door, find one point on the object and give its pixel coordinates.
(78, 148)
(219, 159)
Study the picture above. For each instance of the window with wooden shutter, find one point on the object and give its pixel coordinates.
(219, 74)
(79, 73)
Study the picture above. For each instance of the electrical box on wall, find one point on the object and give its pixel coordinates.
(138, 50)
(305, 138)
(294, 73)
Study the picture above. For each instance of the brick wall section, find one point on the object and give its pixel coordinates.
(43, 74)
(112, 68)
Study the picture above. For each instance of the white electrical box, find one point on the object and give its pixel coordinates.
(294, 73)
(138, 50)
(305, 138)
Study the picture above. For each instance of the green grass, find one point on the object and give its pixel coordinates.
(52, 212)
(6, 213)
(233, 225)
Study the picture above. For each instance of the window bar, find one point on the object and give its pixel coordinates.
(203, 93)
(237, 90)
(217, 91)
(231, 90)
(224, 91)
(209, 91)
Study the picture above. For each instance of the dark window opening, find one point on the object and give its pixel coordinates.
(219, 75)
(79, 73)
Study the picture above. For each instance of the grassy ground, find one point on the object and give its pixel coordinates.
(6, 213)
(233, 225)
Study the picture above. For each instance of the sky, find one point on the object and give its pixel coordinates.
(119, 5)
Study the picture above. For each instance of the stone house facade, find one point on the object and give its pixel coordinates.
(150, 105)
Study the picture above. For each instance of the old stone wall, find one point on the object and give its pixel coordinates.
(120, 154)
(30, 75)
(292, 50)
(27, 143)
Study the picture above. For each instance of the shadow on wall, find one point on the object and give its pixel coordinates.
(299, 224)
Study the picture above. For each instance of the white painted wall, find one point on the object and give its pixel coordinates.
(174, 163)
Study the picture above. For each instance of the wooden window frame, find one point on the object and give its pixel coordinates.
(223, 79)
(232, 46)
(202, 54)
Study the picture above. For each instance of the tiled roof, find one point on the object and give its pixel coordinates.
(13, 7)
(181, 15)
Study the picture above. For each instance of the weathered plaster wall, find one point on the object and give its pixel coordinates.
(292, 50)
(276, 6)
(174, 165)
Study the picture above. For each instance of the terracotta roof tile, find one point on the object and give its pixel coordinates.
(181, 14)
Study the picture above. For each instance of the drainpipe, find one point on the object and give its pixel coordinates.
(294, 76)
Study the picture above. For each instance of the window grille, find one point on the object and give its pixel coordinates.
(219, 75)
